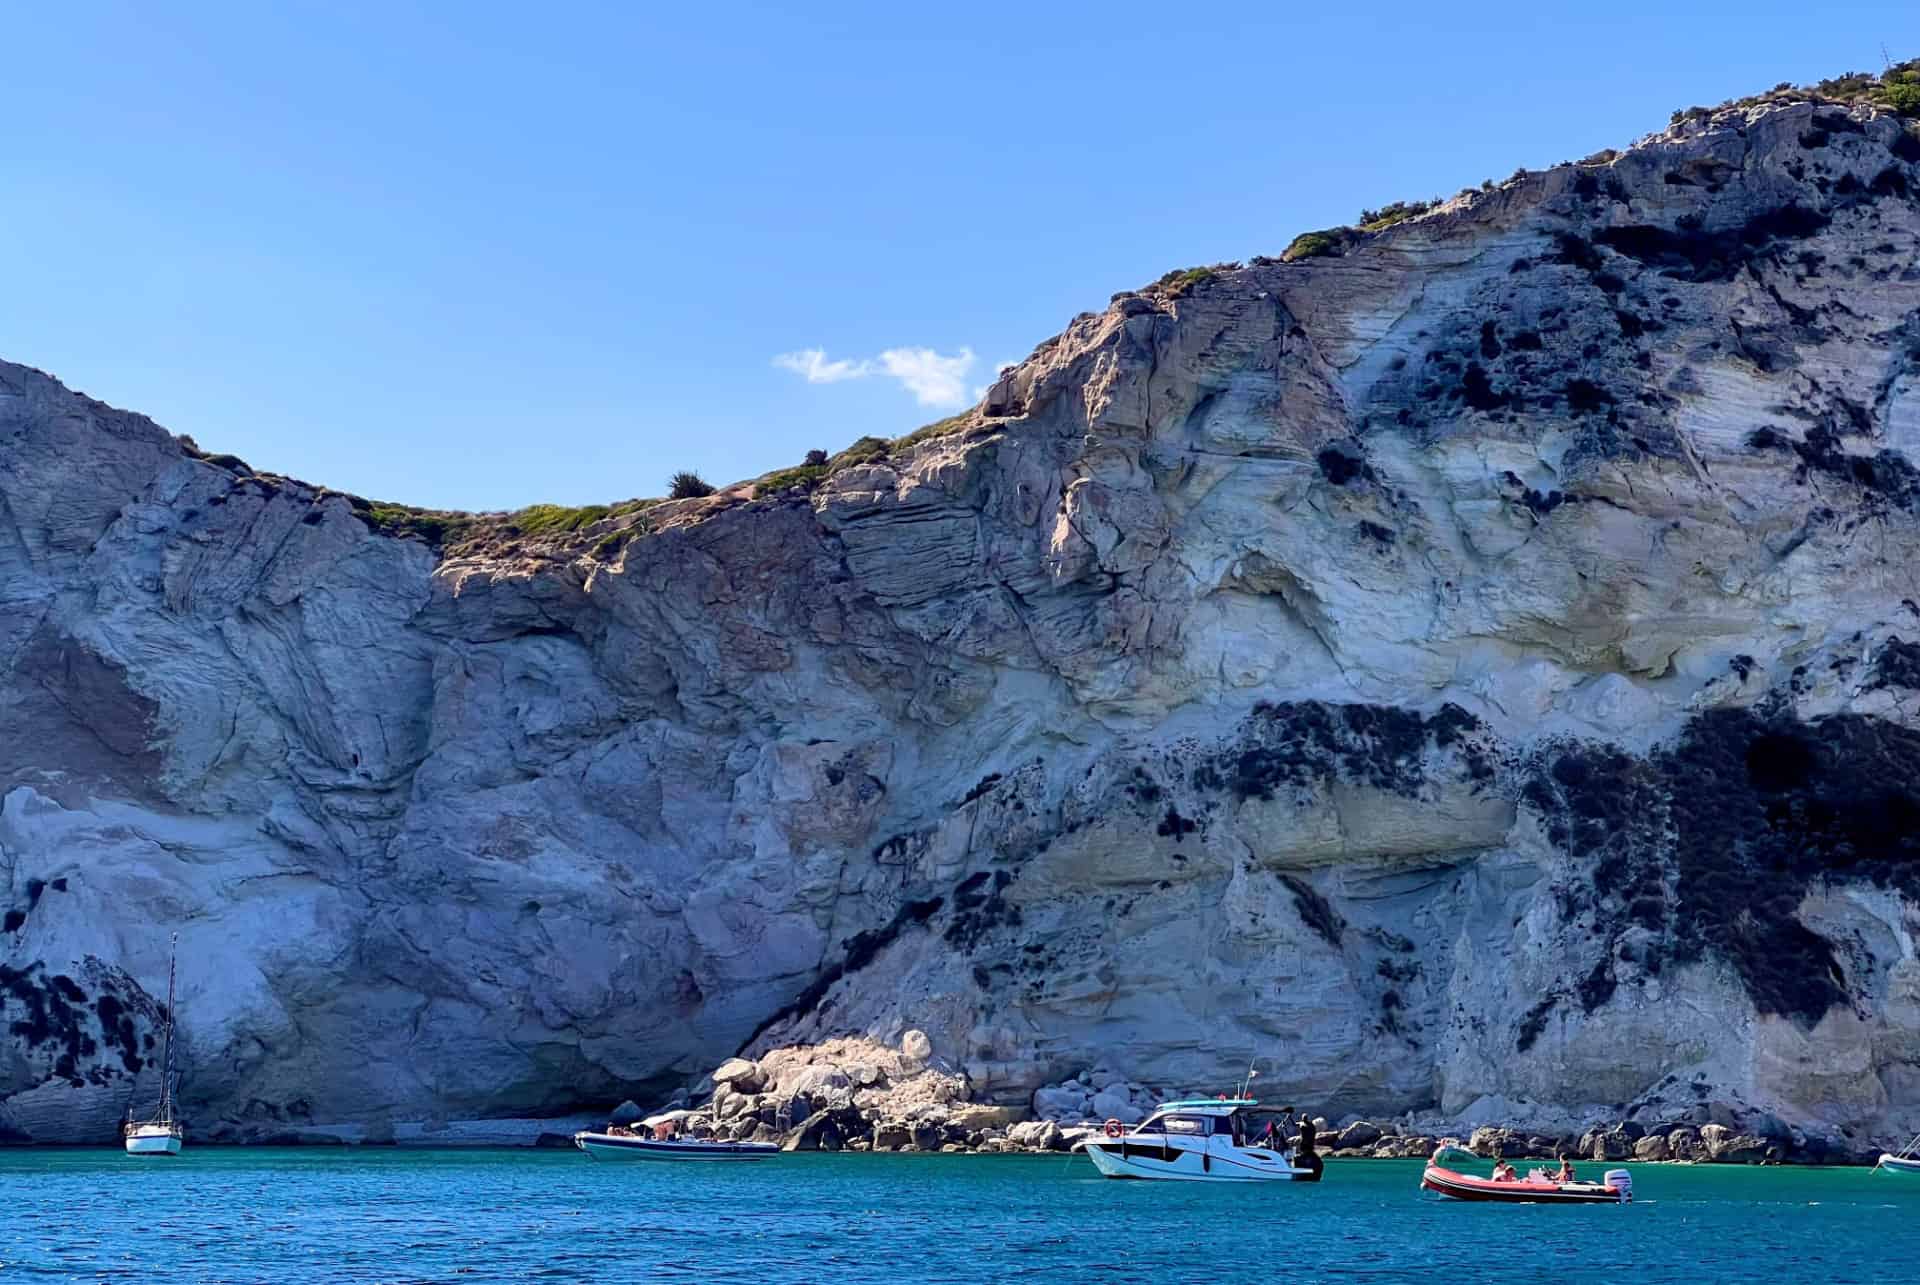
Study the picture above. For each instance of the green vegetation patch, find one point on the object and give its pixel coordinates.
(1398, 212)
(804, 476)
(1182, 281)
(939, 428)
(1314, 245)
(437, 527)
(555, 519)
(1897, 89)
(864, 451)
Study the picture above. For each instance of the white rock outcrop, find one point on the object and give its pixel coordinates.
(1475, 673)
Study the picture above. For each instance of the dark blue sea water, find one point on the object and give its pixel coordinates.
(380, 1215)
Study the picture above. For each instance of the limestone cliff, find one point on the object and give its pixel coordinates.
(1474, 671)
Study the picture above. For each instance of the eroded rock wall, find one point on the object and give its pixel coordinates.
(1473, 674)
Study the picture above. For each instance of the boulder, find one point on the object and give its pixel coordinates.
(980, 1116)
(627, 1112)
(1684, 1143)
(891, 1136)
(1650, 1148)
(1113, 1104)
(1605, 1144)
(817, 1083)
(1037, 1135)
(1491, 1142)
(915, 1046)
(824, 1130)
(1062, 1102)
(865, 1074)
(1361, 1133)
(1714, 1138)
(1744, 1149)
(1103, 1079)
(740, 1074)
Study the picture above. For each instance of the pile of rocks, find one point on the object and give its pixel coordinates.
(855, 1094)
(1097, 1095)
(1760, 1140)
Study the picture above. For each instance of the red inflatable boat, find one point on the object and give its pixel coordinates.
(1534, 1189)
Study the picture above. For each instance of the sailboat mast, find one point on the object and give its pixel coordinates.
(166, 1053)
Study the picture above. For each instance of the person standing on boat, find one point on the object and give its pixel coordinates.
(1308, 1134)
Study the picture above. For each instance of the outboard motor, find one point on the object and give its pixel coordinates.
(1310, 1160)
(1621, 1181)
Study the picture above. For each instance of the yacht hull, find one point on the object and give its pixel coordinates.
(1905, 1166)
(1170, 1161)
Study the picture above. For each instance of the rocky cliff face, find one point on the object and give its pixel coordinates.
(1476, 673)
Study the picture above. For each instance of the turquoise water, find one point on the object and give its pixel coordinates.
(249, 1215)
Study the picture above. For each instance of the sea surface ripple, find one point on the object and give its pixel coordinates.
(257, 1215)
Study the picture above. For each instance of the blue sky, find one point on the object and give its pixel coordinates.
(488, 255)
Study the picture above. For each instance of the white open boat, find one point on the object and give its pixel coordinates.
(1197, 1140)
(619, 1144)
(1905, 1162)
(162, 1135)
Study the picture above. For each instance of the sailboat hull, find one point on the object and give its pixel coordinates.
(153, 1143)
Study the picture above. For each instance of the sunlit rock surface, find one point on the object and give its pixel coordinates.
(1475, 675)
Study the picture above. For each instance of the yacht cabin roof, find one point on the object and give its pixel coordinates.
(1208, 1106)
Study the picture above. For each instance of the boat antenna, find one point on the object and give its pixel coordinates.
(1246, 1085)
(166, 1054)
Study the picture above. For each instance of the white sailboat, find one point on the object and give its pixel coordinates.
(161, 1135)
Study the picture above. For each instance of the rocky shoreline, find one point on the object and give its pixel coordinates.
(859, 1095)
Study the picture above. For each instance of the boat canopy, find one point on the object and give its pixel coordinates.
(1209, 1104)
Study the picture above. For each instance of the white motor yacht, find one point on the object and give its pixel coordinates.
(1198, 1140)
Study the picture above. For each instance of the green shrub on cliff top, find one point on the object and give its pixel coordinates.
(864, 451)
(1902, 92)
(687, 485)
(1312, 245)
(804, 475)
(1399, 212)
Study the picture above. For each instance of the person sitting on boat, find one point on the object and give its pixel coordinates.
(1565, 1172)
(1504, 1172)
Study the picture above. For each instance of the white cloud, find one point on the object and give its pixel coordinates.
(933, 378)
(811, 364)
